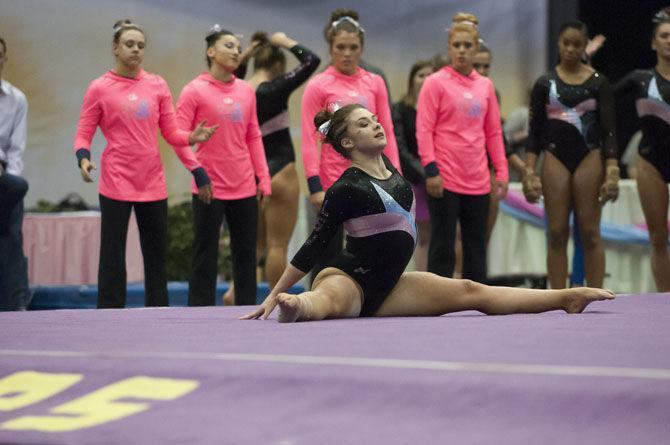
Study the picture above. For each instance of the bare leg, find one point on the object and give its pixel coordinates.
(426, 294)
(586, 183)
(421, 251)
(334, 294)
(557, 204)
(281, 214)
(654, 199)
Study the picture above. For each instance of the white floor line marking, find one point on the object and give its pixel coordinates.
(433, 365)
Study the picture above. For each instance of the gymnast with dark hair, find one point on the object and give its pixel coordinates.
(651, 90)
(376, 206)
(404, 127)
(235, 160)
(572, 119)
(342, 83)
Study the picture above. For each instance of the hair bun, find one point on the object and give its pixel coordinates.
(343, 12)
(321, 118)
(261, 37)
(120, 23)
(461, 17)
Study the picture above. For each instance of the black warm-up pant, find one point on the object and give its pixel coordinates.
(472, 212)
(152, 223)
(242, 221)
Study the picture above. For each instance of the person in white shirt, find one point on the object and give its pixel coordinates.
(13, 264)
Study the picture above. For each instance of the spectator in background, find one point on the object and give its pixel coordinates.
(404, 126)
(14, 293)
(235, 160)
(458, 124)
(130, 105)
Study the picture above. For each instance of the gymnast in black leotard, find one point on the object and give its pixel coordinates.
(376, 207)
(572, 119)
(652, 99)
(651, 92)
(378, 217)
(273, 87)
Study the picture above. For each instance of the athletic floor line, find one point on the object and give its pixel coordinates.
(496, 368)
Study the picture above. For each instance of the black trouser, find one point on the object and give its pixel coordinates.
(151, 219)
(472, 212)
(242, 220)
(14, 291)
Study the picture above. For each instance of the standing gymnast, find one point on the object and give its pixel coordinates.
(273, 87)
(235, 159)
(129, 105)
(404, 127)
(343, 82)
(458, 124)
(652, 94)
(572, 119)
(376, 205)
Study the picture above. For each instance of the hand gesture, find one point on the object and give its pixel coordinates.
(501, 189)
(532, 187)
(282, 40)
(205, 193)
(263, 200)
(434, 186)
(594, 45)
(316, 199)
(201, 133)
(609, 191)
(85, 167)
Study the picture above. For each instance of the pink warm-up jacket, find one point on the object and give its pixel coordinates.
(129, 112)
(457, 122)
(234, 156)
(329, 90)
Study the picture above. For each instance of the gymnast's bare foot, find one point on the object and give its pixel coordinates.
(579, 297)
(290, 308)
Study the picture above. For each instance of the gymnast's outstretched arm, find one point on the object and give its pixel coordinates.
(290, 276)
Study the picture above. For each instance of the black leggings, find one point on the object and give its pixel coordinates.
(242, 220)
(472, 212)
(151, 219)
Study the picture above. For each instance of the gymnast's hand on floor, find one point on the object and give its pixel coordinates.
(264, 309)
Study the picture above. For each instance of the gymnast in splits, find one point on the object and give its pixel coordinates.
(375, 204)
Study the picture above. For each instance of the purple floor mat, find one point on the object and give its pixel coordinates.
(466, 378)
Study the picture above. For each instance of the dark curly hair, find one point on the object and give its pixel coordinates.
(338, 126)
(211, 38)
